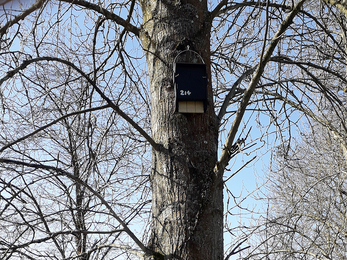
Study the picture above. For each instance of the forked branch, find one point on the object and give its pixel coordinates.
(225, 157)
(61, 172)
(115, 107)
(37, 5)
(109, 15)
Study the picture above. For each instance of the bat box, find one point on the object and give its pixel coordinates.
(190, 80)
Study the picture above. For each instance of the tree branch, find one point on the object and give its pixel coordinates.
(37, 5)
(224, 159)
(326, 91)
(55, 234)
(115, 107)
(217, 9)
(61, 172)
(340, 4)
(50, 124)
(231, 93)
(336, 134)
(109, 15)
(222, 7)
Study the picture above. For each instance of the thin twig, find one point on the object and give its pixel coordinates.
(115, 107)
(52, 123)
(224, 158)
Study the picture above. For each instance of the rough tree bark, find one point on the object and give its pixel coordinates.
(187, 197)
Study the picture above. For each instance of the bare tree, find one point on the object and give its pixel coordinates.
(306, 217)
(91, 136)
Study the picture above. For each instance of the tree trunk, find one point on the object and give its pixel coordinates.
(187, 197)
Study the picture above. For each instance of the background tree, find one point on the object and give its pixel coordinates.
(77, 112)
(307, 202)
(305, 193)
